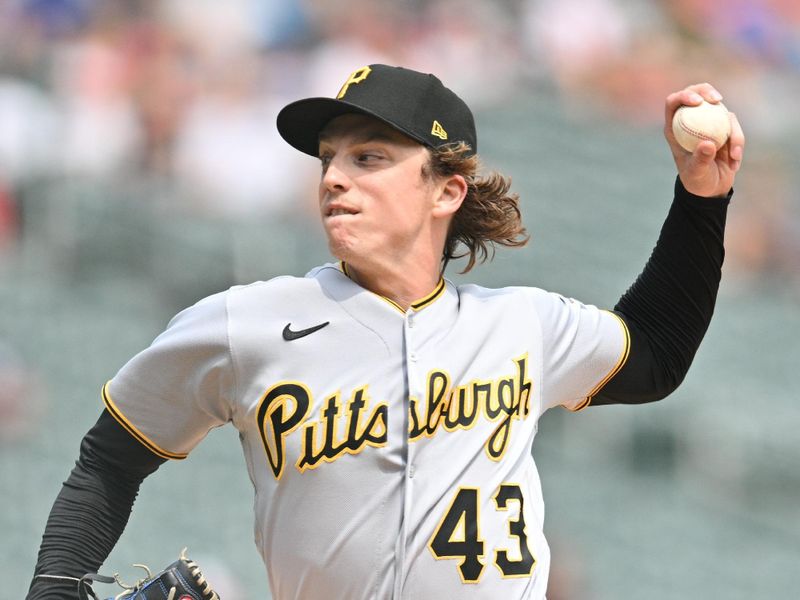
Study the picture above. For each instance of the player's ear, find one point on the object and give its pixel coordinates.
(452, 192)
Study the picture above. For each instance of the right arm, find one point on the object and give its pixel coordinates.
(165, 400)
(92, 508)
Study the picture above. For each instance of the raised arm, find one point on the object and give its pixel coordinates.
(670, 305)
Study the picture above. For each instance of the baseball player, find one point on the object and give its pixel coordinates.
(386, 415)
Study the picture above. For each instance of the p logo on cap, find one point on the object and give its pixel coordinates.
(416, 104)
(356, 76)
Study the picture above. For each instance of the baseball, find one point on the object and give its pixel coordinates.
(694, 124)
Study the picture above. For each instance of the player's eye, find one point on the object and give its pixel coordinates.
(325, 161)
(369, 157)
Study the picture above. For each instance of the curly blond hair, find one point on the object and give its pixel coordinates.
(488, 216)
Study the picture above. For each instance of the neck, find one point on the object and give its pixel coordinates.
(401, 285)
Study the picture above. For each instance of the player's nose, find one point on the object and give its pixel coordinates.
(334, 178)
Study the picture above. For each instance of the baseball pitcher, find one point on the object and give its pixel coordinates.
(386, 415)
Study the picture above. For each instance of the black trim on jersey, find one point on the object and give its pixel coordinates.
(111, 407)
(430, 298)
(92, 508)
(419, 304)
(623, 359)
(670, 305)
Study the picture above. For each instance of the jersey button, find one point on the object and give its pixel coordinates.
(412, 357)
(411, 470)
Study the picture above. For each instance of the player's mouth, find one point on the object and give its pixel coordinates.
(339, 211)
(336, 210)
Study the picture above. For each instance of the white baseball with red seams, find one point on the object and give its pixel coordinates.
(694, 124)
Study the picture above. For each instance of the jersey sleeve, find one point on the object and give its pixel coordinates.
(170, 395)
(583, 347)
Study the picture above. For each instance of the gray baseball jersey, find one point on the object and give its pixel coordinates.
(390, 450)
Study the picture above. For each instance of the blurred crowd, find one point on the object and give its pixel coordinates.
(176, 100)
(184, 93)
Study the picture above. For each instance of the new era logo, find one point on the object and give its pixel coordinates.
(438, 131)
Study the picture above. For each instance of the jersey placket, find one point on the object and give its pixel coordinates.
(414, 381)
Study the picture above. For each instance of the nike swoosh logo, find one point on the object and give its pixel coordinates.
(290, 335)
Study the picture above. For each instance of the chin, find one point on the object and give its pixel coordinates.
(339, 249)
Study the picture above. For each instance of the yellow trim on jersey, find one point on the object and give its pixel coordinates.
(620, 363)
(463, 526)
(430, 298)
(343, 267)
(416, 306)
(392, 302)
(131, 428)
(522, 536)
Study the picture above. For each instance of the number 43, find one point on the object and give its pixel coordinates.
(458, 535)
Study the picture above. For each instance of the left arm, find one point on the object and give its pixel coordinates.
(669, 307)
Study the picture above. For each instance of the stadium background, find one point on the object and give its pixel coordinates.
(140, 170)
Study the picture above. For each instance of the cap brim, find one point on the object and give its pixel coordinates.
(301, 122)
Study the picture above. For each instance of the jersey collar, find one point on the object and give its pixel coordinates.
(415, 306)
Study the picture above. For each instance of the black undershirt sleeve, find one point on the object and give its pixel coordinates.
(667, 311)
(669, 306)
(92, 508)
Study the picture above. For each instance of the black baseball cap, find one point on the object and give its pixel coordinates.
(416, 104)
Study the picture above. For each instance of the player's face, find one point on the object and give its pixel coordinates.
(376, 206)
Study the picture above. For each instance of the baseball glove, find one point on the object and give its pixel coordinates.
(182, 580)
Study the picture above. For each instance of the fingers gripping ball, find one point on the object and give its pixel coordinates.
(694, 124)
